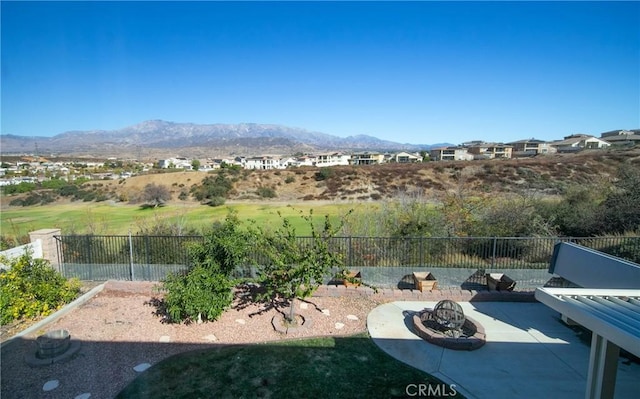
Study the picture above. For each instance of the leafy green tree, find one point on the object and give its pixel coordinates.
(295, 269)
(205, 291)
(195, 164)
(620, 211)
(576, 215)
(213, 188)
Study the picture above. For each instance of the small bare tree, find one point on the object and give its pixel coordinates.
(155, 195)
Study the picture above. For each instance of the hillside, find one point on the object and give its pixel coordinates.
(545, 175)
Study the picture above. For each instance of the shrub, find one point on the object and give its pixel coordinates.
(23, 187)
(212, 187)
(289, 179)
(206, 290)
(266, 192)
(31, 288)
(216, 201)
(324, 173)
(199, 294)
(33, 199)
(54, 184)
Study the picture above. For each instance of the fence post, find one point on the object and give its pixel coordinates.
(49, 247)
(493, 255)
(131, 257)
(350, 255)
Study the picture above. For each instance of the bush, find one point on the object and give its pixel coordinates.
(206, 289)
(20, 188)
(216, 201)
(33, 199)
(199, 294)
(54, 184)
(324, 173)
(31, 288)
(212, 187)
(266, 192)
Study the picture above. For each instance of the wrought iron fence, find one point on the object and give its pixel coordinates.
(93, 257)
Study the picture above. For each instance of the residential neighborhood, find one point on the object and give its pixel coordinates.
(33, 168)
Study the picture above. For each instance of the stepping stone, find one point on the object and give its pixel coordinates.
(326, 312)
(50, 385)
(352, 317)
(165, 338)
(211, 338)
(241, 321)
(304, 306)
(142, 367)
(339, 326)
(85, 395)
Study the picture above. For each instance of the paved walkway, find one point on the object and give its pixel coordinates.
(529, 352)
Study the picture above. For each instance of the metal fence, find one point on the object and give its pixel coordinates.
(383, 261)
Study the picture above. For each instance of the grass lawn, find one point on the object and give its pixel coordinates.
(107, 219)
(324, 367)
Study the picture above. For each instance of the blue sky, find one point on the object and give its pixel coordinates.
(415, 72)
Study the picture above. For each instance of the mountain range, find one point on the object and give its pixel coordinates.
(157, 137)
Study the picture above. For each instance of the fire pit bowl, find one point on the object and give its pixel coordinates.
(447, 326)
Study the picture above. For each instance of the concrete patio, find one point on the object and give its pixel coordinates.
(529, 352)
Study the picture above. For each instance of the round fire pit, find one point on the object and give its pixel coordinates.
(447, 326)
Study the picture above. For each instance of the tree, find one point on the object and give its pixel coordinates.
(213, 190)
(206, 289)
(295, 269)
(576, 215)
(155, 195)
(620, 211)
(195, 164)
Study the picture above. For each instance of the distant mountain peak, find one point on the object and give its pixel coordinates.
(252, 138)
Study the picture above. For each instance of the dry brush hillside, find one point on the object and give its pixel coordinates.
(545, 175)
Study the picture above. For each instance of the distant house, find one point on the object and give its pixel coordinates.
(367, 158)
(450, 154)
(405, 157)
(263, 163)
(490, 151)
(622, 137)
(178, 163)
(530, 147)
(287, 162)
(332, 159)
(307, 160)
(579, 142)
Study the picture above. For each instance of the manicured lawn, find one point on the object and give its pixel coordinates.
(325, 367)
(104, 218)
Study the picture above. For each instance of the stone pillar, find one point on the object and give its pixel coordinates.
(49, 245)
